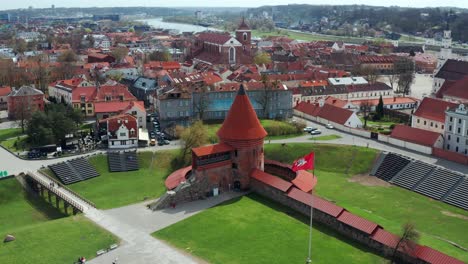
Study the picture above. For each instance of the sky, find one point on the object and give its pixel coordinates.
(13, 4)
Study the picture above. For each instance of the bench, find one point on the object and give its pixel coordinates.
(100, 252)
(113, 246)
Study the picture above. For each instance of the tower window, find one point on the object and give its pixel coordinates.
(234, 165)
(245, 36)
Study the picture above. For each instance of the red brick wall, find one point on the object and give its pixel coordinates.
(449, 155)
(36, 103)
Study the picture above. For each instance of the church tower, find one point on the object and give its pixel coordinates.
(446, 49)
(242, 130)
(244, 35)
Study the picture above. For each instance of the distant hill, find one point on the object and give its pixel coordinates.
(425, 22)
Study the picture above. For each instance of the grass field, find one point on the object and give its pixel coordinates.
(9, 133)
(273, 126)
(117, 189)
(306, 36)
(21, 144)
(43, 234)
(390, 207)
(252, 229)
(326, 137)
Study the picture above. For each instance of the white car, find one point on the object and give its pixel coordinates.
(308, 129)
(329, 126)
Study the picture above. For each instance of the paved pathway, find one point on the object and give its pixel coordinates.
(133, 224)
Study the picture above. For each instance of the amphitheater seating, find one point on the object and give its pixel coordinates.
(435, 182)
(411, 175)
(122, 161)
(459, 195)
(73, 171)
(438, 183)
(391, 165)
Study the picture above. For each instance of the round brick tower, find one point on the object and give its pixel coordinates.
(242, 130)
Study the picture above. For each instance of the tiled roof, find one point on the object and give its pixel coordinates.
(4, 91)
(217, 38)
(377, 86)
(335, 114)
(25, 90)
(212, 149)
(114, 91)
(453, 70)
(177, 177)
(241, 122)
(308, 108)
(388, 101)
(357, 222)
(88, 92)
(271, 180)
(415, 135)
(433, 256)
(386, 238)
(129, 121)
(318, 203)
(433, 109)
(110, 107)
(305, 181)
(335, 101)
(459, 89)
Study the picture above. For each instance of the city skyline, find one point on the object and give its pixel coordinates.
(227, 3)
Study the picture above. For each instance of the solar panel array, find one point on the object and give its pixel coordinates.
(122, 161)
(73, 171)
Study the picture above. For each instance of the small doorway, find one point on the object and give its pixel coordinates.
(237, 186)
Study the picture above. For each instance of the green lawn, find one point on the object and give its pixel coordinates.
(252, 229)
(276, 130)
(116, 189)
(325, 138)
(43, 234)
(56, 241)
(305, 36)
(9, 133)
(390, 207)
(16, 144)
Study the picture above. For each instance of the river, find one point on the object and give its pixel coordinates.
(159, 23)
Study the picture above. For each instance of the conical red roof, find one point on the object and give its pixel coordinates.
(241, 122)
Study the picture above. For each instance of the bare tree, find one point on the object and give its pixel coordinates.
(41, 73)
(265, 94)
(23, 110)
(119, 54)
(366, 108)
(404, 68)
(392, 79)
(202, 101)
(67, 64)
(407, 241)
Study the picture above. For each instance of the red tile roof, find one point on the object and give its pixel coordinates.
(241, 122)
(211, 149)
(110, 107)
(305, 181)
(114, 91)
(4, 91)
(459, 89)
(386, 238)
(415, 135)
(318, 203)
(335, 101)
(271, 180)
(129, 121)
(308, 108)
(430, 255)
(357, 222)
(433, 109)
(335, 114)
(88, 92)
(217, 38)
(177, 177)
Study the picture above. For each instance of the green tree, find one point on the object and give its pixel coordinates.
(192, 137)
(262, 58)
(119, 54)
(380, 108)
(160, 56)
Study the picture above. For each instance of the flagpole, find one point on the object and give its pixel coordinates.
(309, 258)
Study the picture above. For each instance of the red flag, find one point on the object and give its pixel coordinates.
(304, 163)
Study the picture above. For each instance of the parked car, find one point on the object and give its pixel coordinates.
(309, 129)
(153, 142)
(315, 132)
(329, 126)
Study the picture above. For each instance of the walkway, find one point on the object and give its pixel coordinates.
(134, 224)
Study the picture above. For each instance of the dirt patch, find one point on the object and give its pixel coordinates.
(447, 213)
(368, 180)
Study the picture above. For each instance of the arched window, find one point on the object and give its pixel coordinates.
(232, 54)
(245, 36)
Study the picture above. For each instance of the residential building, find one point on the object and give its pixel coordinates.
(369, 91)
(137, 109)
(394, 103)
(174, 107)
(430, 115)
(4, 92)
(24, 98)
(454, 91)
(62, 90)
(143, 87)
(382, 64)
(120, 131)
(329, 113)
(456, 129)
(418, 136)
(452, 70)
(347, 81)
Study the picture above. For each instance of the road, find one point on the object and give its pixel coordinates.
(15, 165)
